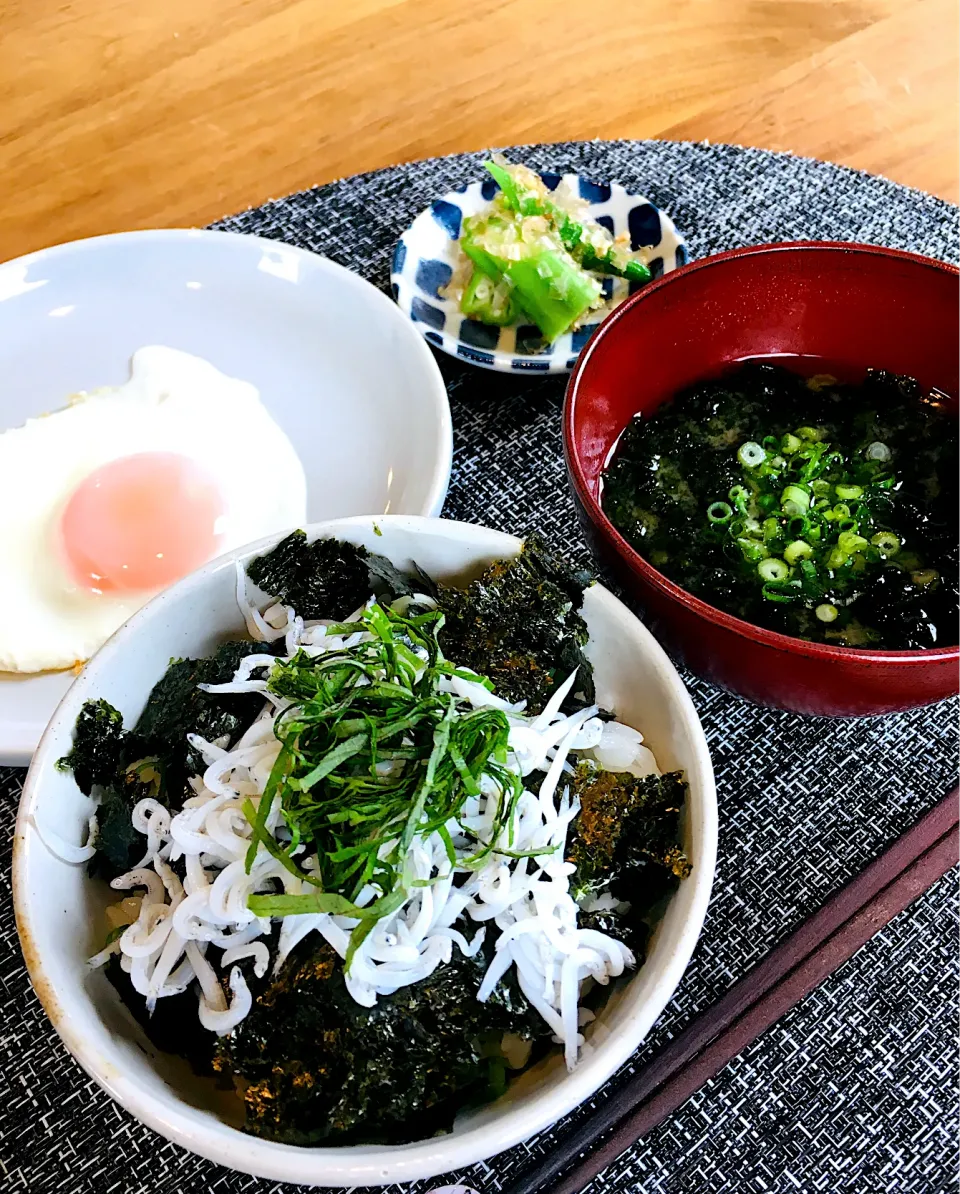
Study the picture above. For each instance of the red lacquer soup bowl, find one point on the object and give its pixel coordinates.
(855, 306)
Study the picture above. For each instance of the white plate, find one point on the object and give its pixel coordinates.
(338, 366)
(427, 255)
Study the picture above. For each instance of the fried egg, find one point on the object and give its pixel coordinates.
(125, 490)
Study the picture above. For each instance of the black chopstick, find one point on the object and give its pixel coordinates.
(822, 943)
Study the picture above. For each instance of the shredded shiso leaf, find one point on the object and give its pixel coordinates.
(375, 753)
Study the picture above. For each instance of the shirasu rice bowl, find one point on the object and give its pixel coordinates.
(523, 847)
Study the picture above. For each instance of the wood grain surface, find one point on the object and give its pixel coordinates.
(125, 114)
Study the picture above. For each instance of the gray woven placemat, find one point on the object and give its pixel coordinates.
(854, 1090)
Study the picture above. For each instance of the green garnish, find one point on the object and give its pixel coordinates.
(532, 258)
(799, 507)
(374, 755)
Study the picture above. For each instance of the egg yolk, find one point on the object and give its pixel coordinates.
(141, 522)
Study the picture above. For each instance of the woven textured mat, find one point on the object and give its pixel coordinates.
(851, 1091)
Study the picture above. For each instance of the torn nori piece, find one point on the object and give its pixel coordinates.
(102, 761)
(520, 625)
(324, 579)
(120, 767)
(176, 707)
(331, 579)
(318, 1067)
(626, 839)
(397, 582)
(99, 741)
(174, 1026)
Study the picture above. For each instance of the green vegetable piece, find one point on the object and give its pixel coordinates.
(719, 512)
(797, 550)
(886, 543)
(488, 301)
(505, 181)
(551, 290)
(480, 257)
(323, 901)
(795, 500)
(773, 569)
(636, 271)
(751, 455)
(849, 493)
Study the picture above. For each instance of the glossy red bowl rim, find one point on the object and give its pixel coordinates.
(695, 605)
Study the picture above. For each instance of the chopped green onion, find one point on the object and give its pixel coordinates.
(751, 454)
(804, 521)
(773, 569)
(926, 576)
(886, 543)
(849, 492)
(719, 512)
(752, 550)
(797, 550)
(877, 451)
(781, 592)
(850, 541)
(796, 496)
(739, 496)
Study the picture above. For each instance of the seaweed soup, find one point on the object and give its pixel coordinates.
(801, 496)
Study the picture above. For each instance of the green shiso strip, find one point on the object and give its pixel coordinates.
(378, 702)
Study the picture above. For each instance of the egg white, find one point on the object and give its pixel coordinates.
(173, 402)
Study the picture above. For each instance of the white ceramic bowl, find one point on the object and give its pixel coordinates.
(59, 910)
(341, 370)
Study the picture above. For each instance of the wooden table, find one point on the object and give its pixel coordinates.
(128, 114)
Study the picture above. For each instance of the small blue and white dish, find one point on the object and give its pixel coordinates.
(427, 257)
